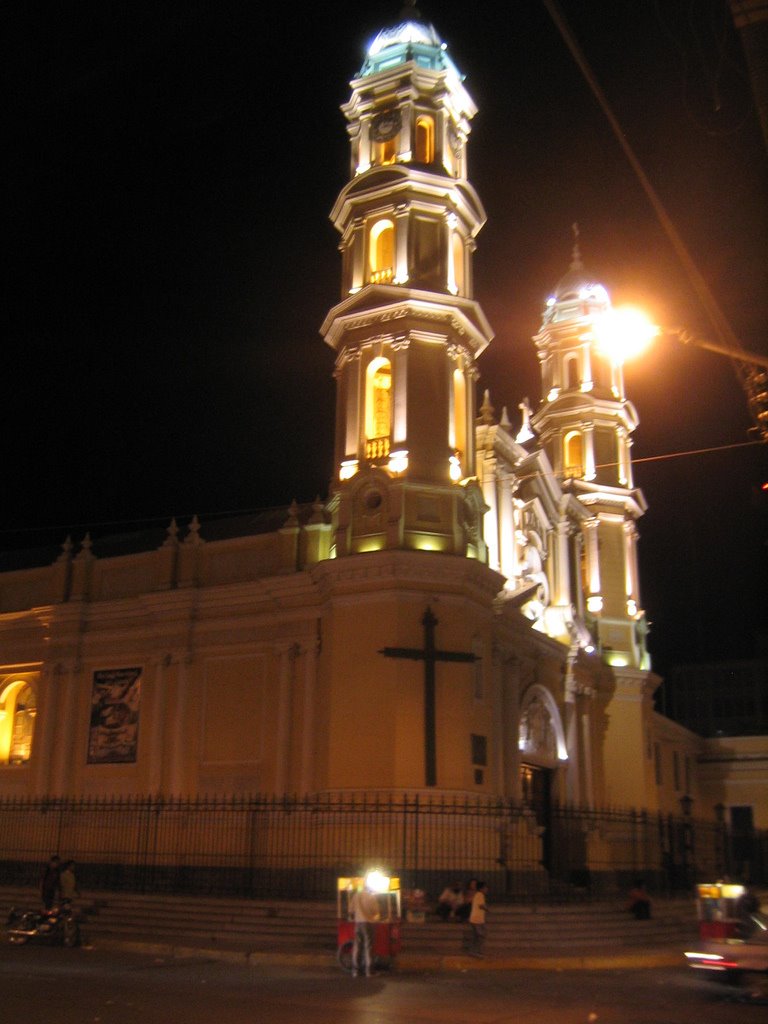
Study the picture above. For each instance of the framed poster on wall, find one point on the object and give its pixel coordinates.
(113, 736)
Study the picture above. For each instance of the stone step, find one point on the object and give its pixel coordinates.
(262, 925)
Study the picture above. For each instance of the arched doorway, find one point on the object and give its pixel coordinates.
(541, 742)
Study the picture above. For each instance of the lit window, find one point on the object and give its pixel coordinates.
(18, 709)
(425, 139)
(381, 251)
(385, 152)
(573, 454)
(378, 408)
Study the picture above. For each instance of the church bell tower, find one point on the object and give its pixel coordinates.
(585, 423)
(407, 331)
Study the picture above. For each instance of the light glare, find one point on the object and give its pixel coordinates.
(623, 333)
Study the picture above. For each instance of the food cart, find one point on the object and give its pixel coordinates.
(386, 931)
(717, 909)
(733, 937)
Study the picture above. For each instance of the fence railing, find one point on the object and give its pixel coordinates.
(295, 847)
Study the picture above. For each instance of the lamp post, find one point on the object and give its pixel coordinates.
(625, 331)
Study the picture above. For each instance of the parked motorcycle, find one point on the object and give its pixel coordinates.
(56, 927)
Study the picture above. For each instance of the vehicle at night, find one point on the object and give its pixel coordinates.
(733, 933)
(56, 927)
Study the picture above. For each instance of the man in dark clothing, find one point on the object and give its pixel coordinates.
(49, 887)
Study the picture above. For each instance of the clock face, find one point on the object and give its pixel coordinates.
(385, 125)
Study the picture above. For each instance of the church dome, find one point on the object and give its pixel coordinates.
(410, 40)
(576, 294)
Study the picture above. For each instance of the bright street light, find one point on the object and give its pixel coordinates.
(624, 332)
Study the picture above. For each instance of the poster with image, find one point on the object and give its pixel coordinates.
(114, 729)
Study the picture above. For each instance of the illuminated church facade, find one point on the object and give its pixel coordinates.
(462, 615)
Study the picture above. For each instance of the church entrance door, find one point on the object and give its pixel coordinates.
(536, 784)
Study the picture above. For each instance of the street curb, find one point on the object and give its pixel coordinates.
(418, 963)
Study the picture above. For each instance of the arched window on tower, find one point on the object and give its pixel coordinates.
(573, 454)
(425, 139)
(386, 152)
(381, 251)
(571, 372)
(378, 409)
(18, 709)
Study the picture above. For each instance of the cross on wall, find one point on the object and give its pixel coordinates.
(430, 655)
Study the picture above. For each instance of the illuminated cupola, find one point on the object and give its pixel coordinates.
(585, 422)
(407, 331)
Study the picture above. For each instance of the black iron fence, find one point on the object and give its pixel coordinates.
(296, 847)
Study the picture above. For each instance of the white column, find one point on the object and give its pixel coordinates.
(48, 716)
(66, 714)
(358, 255)
(451, 221)
(351, 371)
(364, 154)
(622, 456)
(562, 591)
(593, 556)
(401, 244)
(507, 527)
(586, 728)
(491, 530)
(589, 452)
(406, 137)
(400, 385)
(630, 543)
(586, 369)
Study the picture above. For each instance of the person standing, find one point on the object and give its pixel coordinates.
(464, 907)
(364, 908)
(49, 885)
(477, 920)
(68, 883)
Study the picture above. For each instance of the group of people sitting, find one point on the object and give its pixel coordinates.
(455, 901)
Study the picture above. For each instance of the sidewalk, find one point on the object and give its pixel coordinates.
(414, 963)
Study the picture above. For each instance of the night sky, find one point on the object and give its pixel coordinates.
(169, 170)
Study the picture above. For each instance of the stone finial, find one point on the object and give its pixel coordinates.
(504, 421)
(293, 515)
(172, 535)
(193, 532)
(486, 410)
(66, 550)
(85, 554)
